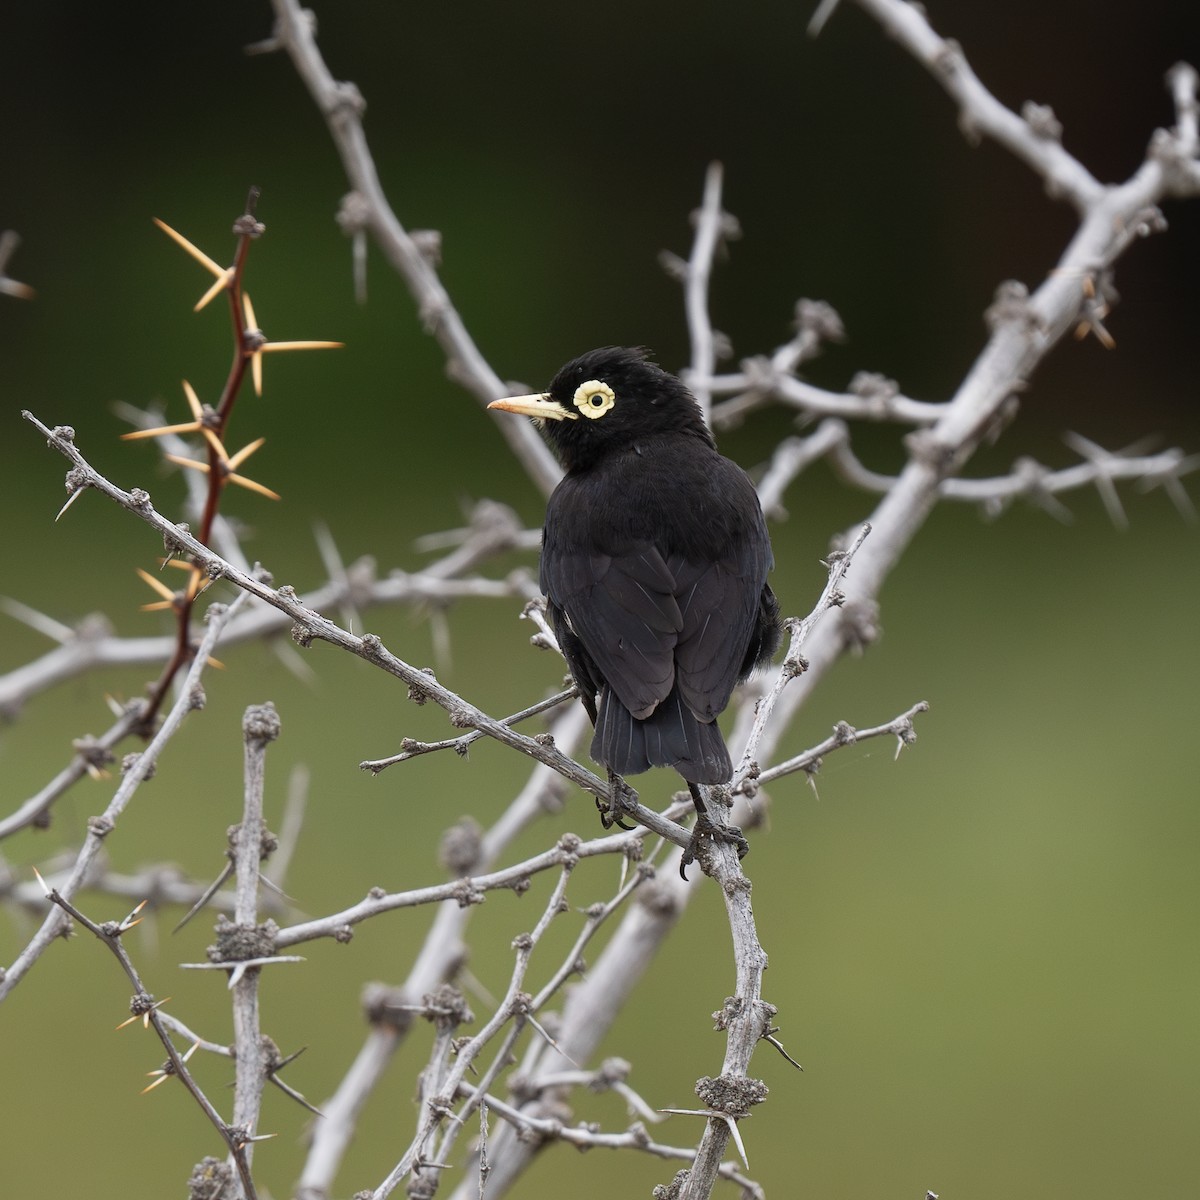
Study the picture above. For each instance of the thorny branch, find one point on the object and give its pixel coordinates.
(260, 727)
(144, 1005)
(793, 664)
(463, 891)
(92, 754)
(410, 748)
(844, 734)
(191, 698)
(1029, 480)
(311, 626)
(636, 1137)
(160, 885)
(91, 645)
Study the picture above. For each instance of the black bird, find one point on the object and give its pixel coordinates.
(654, 562)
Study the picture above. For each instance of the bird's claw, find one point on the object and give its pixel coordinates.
(621, 798)
(705, 827)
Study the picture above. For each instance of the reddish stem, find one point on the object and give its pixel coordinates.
(184, 649)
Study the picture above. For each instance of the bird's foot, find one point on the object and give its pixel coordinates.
(621, 799)
(706, 827)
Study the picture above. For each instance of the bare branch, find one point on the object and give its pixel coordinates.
(714, 226)
(792, 457)
(466, 890)
(980, 113)
(342, 105)
(765, 381)
(92, 754)
(844, 734)
(260, 727)
(793, 664)
(160, 885)
(460, 745)
(144, 1006)
(1030, 480)
(512, 1008)
(634, 1138)
(192, 697)
(466, 851)
(93, 646)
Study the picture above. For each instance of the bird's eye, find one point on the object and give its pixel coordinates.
(594, 398)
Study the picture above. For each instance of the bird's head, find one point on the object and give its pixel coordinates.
(607, 400)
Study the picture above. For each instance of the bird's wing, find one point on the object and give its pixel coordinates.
(719, 602)
(624, 612)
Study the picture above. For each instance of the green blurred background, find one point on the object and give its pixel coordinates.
(984, 955)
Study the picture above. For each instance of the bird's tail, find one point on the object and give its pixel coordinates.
(671, 736)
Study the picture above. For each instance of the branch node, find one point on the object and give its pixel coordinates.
(348, 98)
(353, 213)
(268, 842)
(795, 666)
(466, 894)
(674, 1189)
(131, 761)
(95, 754)
(845, 733)
(461, 848)
(100, 826)
(876, 389)
(926, 447)
(429, 245)
(731, 1095)
(387, 1007)
(260, 723)
(1010, 305)
(416, 693)
(236, 943)
(248, 226)
(212, 1179)
(1042, 122)
(446, 1007)
(819, 319)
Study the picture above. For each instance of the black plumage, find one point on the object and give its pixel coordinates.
(654, 561)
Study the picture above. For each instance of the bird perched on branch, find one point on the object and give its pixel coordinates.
(654, 562)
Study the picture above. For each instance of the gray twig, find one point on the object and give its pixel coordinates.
(191, 698)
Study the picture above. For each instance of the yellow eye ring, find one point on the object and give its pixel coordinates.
(594, 398)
